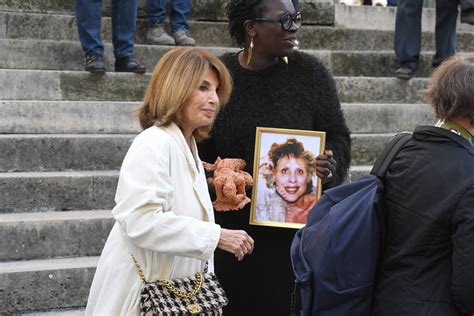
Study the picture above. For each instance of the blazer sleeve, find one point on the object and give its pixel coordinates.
(330, 118)
(462, 285)
(144, 202)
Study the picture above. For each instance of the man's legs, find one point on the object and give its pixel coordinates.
(179, 14)
(408, 34)
(88, 16)
(156, 10)
(179, 25)
(156, 23)
(445, 32)
(124, 21)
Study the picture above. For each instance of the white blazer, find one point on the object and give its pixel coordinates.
(164, 216)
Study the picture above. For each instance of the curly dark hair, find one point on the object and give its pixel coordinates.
(451, 92)
(238, 11)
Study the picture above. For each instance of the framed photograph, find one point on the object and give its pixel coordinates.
(284, 171)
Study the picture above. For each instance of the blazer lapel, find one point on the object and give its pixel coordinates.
(178, 137)
(197, 171)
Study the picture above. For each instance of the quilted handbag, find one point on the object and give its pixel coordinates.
(200, 294)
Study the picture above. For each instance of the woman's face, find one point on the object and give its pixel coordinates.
(290, 178)
(271, 39)
(200, 108)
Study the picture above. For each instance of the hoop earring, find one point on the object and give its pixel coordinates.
(249, 52)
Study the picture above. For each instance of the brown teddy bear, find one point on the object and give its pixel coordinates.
(229, 181)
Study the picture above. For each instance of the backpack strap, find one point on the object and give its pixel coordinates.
(379, 170)
(389, 153)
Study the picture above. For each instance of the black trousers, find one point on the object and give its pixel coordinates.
(408, 31)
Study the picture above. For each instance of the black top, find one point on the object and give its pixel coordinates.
(297, 95)
(428, 263)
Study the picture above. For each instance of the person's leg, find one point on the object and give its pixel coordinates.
(156, 10)
(445, 31)
(156, 23)
(296, 4)
(88, 17)
(124, 20)
(179, 25)
(408, 36)
(179, 14)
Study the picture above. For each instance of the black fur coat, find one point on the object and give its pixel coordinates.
(297, 95)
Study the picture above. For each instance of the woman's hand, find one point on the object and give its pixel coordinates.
(237, 242)
(326, 166)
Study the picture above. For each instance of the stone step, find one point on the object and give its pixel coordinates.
(63, 152)
(315, 11)
(54, 55)
(58, 312)
(23, 192)
(68, 117)
(45, 235)
(383, 18)
(62, 284)
(24, 152)
(38, 285)
(75, 117)
(380, 118)
(83, 86)
(57, 191)
(66, 55)
(359, 171)
(58, 27)
(28, 236)
(42, 235)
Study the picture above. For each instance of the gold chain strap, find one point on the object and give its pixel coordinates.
(183, 294)
(169, 286)
(138, 268)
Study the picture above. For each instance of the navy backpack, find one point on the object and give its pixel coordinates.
(335, 256)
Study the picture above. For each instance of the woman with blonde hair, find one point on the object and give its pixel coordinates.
(164, 215)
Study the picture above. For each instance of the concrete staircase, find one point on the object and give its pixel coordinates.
(64, 132)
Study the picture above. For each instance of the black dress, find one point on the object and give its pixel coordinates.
(297, 95)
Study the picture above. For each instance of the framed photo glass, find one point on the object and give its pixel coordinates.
(285, 182)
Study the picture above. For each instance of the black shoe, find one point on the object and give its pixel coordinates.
(128, 64)
(404, 72)
(95, 64)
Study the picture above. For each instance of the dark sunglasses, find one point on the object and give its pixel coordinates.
(285, 20)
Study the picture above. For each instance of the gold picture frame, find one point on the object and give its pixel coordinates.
(283, 194)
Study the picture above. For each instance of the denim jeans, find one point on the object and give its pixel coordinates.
(179, 12)
(124, 20)
(408, 31)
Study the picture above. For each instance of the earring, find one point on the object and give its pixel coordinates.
(249, 52)
(285, 59)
